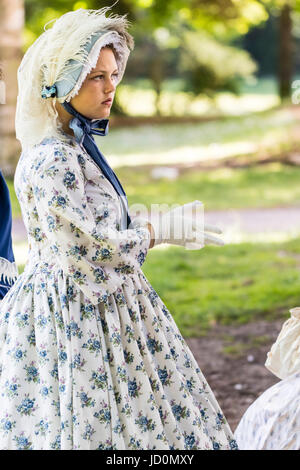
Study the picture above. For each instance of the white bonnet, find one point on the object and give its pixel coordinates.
(54, 56)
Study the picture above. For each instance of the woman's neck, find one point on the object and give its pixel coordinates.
(64, 118)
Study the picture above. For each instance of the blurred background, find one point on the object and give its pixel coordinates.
(208, 109)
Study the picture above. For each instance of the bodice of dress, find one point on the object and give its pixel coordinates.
(74, 218)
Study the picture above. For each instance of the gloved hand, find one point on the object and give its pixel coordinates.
(183, 226)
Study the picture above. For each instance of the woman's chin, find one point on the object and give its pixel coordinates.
(102, 114)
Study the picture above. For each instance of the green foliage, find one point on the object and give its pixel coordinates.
(211, 66)
(221, 18)
(39, 12)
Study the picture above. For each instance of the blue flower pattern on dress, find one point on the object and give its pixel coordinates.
(91, 358)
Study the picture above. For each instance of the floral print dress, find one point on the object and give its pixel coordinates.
(90, 356)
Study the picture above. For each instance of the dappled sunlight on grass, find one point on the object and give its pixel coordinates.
(186, 153)
(268, 132)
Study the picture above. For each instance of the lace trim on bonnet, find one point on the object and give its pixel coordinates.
(47, 61)
(109, 38)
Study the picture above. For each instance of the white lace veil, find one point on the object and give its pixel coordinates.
(46, 62)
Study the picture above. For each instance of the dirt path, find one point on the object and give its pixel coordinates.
(250, 221)
(259, 220)
(238, 378)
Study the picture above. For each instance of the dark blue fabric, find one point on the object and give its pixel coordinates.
(6, 249)
(83, 129)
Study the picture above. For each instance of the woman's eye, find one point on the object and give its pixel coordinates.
(100, 76)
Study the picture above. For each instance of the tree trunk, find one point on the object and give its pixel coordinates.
(11, 27)
(285, 66)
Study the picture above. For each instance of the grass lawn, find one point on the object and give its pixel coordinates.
(270, 131)
(230, 285)
(268, 185)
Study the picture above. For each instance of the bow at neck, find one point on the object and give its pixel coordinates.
(83, 129)
(82, 125)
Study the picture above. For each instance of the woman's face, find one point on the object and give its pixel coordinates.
(99, 85)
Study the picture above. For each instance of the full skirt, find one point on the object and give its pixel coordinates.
(117, 375)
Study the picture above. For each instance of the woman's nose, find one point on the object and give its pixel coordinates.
(110, 86)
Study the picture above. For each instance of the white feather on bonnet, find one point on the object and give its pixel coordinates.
(47, 61)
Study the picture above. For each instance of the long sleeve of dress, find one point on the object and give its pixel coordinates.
(90, 249)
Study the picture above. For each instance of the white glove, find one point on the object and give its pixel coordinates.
(183, 226)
